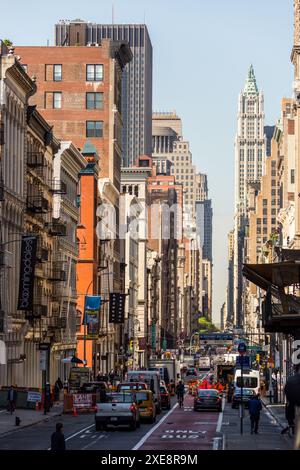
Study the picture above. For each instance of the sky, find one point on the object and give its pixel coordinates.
(202, 51)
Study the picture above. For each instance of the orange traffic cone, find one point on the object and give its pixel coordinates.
(74, 413)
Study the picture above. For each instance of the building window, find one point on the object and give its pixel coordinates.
(57, 100)
(292, 176)
(94, 101)
(273, 221)
(273, 212)
(265, 221)
(273, 192)
(259, 221)
(265, 211)
(94, 128)
(57, 73)
(94, 73)
(265, 202)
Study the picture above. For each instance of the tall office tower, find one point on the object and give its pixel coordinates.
(250, 155)
(171, 155)
(137, 77)
(204, 215)
(230, 283)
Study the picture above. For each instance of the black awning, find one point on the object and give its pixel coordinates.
(279, 275)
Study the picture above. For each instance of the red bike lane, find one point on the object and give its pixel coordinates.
(184, 429)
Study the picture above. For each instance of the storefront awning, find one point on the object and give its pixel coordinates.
(279, 275)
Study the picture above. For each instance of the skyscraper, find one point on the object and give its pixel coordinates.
(137, 77)
(250, 156)
(250, 139)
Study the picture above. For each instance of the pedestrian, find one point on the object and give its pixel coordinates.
(12, 399)
(58, 442)
(292, 393)
(255, 407)
(56, 391)
(59, 383)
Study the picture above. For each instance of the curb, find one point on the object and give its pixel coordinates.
(267, 406)
(46, 418)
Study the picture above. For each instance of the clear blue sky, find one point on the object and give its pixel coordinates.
(202, 51)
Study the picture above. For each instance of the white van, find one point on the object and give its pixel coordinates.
(152, 379)
(251, 379)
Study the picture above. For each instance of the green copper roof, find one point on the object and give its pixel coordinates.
(251, 85)
(89, 149)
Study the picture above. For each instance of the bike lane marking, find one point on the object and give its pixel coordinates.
(183, 429)
(146, 436)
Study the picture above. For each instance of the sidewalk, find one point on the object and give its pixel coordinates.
(268, 438)
(276, 410)
(27, 417)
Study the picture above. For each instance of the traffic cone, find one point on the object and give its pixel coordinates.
(74, 413)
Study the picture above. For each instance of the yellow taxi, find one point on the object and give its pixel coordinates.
(146, 405)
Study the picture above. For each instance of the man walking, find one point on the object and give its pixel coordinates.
(12, 398)
(255, 408)
(58, 439)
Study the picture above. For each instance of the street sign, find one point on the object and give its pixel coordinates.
(216, 337)
(242, 348)
(43, 360)
(243, 361)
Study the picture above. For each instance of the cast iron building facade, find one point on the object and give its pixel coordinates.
(137, 77)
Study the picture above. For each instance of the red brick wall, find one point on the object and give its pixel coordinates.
(70, 121)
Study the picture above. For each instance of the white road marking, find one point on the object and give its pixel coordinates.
(93, 442)
(80, 432)
(141, 442)
(220, 419)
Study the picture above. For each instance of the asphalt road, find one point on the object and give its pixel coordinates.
(192, 430)
(174, 429)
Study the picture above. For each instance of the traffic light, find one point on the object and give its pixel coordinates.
(131, 345)
(257, 358)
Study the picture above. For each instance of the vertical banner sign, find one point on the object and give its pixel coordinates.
(92, 315)
(116, 308)
(26, 283)
(153, 336)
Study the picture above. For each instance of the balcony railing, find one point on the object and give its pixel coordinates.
(277, 319)
(58, 187)
(58, 229)
(37, 204)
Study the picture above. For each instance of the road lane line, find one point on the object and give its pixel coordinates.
(79, 432)
(220, 419)
(141, 442)
(93, 442)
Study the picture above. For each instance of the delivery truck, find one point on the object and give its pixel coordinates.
(169, 369)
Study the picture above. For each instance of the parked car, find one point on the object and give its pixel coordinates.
(237, 398)
(207, 399)
(119, 409)
(165, 397)
(127, 386)
(146, 405)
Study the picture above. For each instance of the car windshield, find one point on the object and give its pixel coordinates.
(249, 382)
(207, 393)
(120, 398)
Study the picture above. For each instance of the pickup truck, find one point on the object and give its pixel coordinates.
(118, 409)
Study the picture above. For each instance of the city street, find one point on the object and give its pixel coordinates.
(193, 431)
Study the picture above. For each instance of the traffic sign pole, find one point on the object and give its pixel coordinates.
(242, 351)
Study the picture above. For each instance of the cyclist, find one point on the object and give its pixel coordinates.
(180, 392)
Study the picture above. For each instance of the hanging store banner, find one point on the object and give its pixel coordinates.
(92, 316)
(26, 283)
(116, 308)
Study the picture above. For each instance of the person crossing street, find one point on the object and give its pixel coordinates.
(255, 408)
